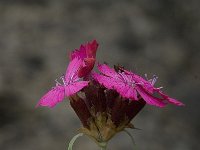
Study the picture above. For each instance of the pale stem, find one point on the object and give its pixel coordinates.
(71, 143)
(132, 139)
(102, 145)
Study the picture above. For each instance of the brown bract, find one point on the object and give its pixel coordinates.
(104, 112)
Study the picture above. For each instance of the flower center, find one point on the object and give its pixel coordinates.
(127, 79)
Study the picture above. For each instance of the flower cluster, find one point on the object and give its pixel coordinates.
(105, 102)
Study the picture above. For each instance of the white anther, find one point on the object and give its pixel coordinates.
(57, 83)
(63, 80)
(154, 79)
(159, 88)
(146, 76)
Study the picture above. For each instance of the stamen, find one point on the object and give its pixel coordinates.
(62, 76)
(57, 83)
(71, 77)
(63, 80)
(133, 84)
(146, 77)
(155, 76)
(159, 88)
(154, 79)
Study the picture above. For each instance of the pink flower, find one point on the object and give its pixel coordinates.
(132, 86)
(87, 53)
(71, 85)
(105, 102)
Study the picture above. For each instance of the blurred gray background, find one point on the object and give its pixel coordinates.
(147, 36)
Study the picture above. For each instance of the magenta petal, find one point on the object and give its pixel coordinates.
(126, 91)
(85, 51)
(81, 53)
(129, 93)
(72, 69)
(122, 89)
(134, 95)
(77, 54)
(117, 81)
(87, 55)
(176, 102)
(106, 70)
(136, 77)
(139, 80)
(91, 49)
(170, 100)
(53, 97)
(86, 68)
(149, 98)
(75, 87)
(108, 82)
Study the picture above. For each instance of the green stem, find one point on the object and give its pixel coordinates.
(103, 148)
(103, 145)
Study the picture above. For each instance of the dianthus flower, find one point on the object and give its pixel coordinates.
(71, 85)
(105, 102)
(132, 86)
